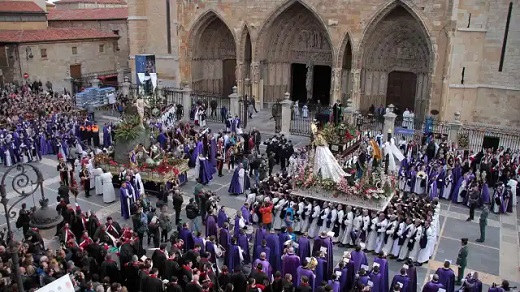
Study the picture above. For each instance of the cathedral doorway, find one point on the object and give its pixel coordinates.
(291, 45)
(321, 84)
(213, 57)
(397, 62)
(401, 90)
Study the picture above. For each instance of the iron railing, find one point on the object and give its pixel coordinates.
(217, 105)
(173, 95)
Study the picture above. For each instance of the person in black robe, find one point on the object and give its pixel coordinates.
(92, 225)
(143, 276)
(153, 283)
(185, 274)
(130, 275)
(173, 285)
(171, 268)
(109, 269)
(159, 259)
(238, 279)
(126, 252)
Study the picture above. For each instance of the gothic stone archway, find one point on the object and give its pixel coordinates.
(295, 52)
(213, 59)
(397, 62)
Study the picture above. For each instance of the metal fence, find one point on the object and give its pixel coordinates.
(216, 104)
(173, 95)
(485, 136)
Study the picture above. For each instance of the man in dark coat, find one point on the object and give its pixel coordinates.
(153, 283)
(238, 279)
(109, 269)
(159, 259)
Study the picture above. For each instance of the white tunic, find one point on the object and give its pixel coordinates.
(403, 253)
(417, 245)
(426, 253)
(339, 236)
(372, 235)
(313, 230)
(109, 194)
(97, 180)
(390, 230)
(396, 248)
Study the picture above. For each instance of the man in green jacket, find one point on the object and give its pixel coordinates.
(462, 260)
(483, 223)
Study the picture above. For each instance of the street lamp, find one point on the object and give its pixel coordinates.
(44, 218)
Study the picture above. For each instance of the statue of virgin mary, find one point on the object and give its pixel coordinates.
(325, 164)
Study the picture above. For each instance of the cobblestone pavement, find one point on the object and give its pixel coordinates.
(496, 259)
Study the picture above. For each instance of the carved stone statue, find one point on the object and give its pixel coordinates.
(336, 79)
(140, 105)
(255, 71)
(308, 80)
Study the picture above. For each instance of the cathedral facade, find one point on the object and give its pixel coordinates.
(428, 56)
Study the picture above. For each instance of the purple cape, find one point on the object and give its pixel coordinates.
(222, 218)
(377, 282)
(259, 236)
(343, 279)
(335, 285)
(200, 242)
(272, 243)
(404, 280)
(234, 186)
(125, 208)
(186, 235)
(383, 270)
(210, 247)
(359, 258)
(446, 278)
(321, 271)
(431, 287)
(244, 244)
(211, 225)
(233, 257)
(304, 248)
(224, 240)
(291, 262)
(205, 171)
(213, 152)
(266, 267)
(412, 274)
(301, 271)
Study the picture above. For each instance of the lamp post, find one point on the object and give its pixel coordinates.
(43, 218)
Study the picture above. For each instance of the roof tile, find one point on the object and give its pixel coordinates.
(88, 14)
(20, 6)
(52, 34)
(91, 1)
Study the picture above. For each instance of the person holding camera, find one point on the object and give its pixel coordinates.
(193, 213)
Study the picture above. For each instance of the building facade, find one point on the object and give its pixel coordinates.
(59, 46)
(425, 55)
(88, 4)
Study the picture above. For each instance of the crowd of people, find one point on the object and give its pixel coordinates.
(277, 241)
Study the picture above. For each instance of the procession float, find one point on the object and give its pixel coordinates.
(337, 169)
(134, 150)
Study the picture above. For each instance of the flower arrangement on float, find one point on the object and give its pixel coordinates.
(340, 137)
(373, 186)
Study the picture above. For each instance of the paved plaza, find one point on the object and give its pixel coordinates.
(494, 260)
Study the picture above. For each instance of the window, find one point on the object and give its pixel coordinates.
(43, 53)
(115, 31)
(101, 48)
(74, 50)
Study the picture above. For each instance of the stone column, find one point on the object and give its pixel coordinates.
(120, 75)
(255, 83)
(286, 114)
(309, 81)
(186, 102)
(126, 87)
(239, 72)
(95, 81)
(336, 85)
(388, 127)
(349, 113)
(454, 128)
(68, 85)
(356, 88)
(234, 106)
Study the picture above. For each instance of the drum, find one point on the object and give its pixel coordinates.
(249, 229)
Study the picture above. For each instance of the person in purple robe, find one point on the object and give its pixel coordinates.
(222, 217)
(485, 197)
(238, 182)
(213, 152)
(402, 280)
(205, 171)
(244, 244)
(359, 258)
(473, 284)
(342, 272)
(326, 246)
(246, 214)
(433, 285)
(283, 237)
(224, 239)
(362, 279)
(321, 269)
(412, 275)
(211, 224)
(304, 247)
(239, 224)
(305, 275)
(377, 280)
(434, 191)
(107, 136)
(275, 257)
(233, 256)
(335, 284)
(383, 269)
(187, 236)
(125, 198)
(161, 138)
(259, 238)
(446, 277)
(262, 248)
(455, 194)
(210, 247)
(266, 266)
(290, 263)
(198, 240)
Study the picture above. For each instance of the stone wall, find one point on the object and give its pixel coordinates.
(108, 26)
(55, 67)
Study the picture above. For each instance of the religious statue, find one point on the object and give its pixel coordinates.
(140, 104)
(324, 161)
(308, 81)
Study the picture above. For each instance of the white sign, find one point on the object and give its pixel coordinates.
(63, 284)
